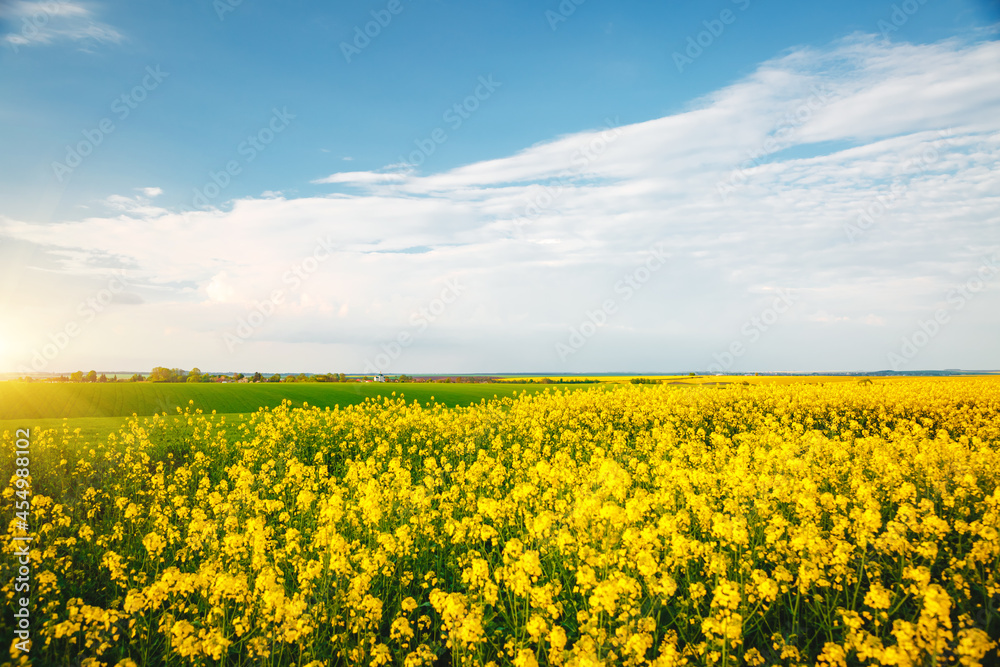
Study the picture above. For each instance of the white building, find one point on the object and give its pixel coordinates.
(379, 377)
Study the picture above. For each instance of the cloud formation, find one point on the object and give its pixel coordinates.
(862, 179)
(43, 22)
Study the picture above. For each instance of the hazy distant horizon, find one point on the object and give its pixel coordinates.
(953, 371)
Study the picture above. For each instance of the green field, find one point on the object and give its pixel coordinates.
(36, 402)
(98, 410)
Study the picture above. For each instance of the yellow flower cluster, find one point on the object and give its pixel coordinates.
(637, 525)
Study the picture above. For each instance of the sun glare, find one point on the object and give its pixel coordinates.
(6, 362)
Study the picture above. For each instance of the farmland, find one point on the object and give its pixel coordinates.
(741, 524)
(20, 401)
(99, 410)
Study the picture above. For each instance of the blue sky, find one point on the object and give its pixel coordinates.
(535, 155)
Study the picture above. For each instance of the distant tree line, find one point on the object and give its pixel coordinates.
(176, 375)
(164, 374)
(92, 376)
(161, 374)
(322, 377)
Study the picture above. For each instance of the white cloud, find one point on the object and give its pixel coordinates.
(539, 239)
(138, 205)
(361, 177)
(219, 290)
(39, 22)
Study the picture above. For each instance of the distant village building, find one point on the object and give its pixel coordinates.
(379, 377)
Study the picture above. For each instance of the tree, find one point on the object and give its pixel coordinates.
(343, 378)
(257, 377)
(239, 376)
(274, 378)
(103, 378)
(76, 376)
(194, 375)
(136, 378)
(92, 376)
(160, 374)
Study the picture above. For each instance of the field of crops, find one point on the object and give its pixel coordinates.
(838, 524)
(31, 401)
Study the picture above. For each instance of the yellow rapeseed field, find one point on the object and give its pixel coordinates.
(789, 524)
